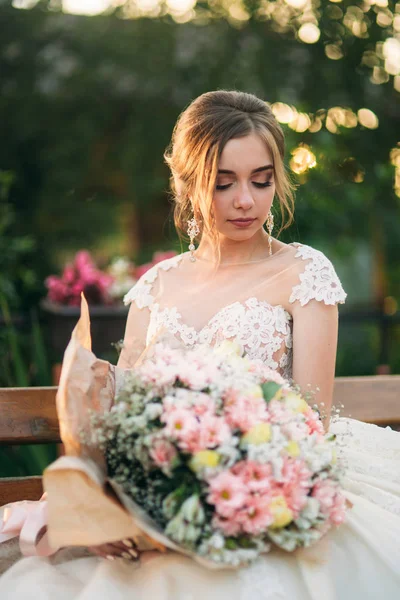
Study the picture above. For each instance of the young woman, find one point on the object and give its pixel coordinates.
(278, 302)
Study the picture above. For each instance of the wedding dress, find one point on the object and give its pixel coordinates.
(250, 304)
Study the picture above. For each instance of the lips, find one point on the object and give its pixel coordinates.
(241, 222)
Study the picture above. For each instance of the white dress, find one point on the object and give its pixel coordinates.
(360, 560)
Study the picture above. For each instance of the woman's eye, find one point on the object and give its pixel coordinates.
(262, 185)
(223, 187)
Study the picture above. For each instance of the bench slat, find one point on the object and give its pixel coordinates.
(28, 416)
(13, 489)
(374, 399)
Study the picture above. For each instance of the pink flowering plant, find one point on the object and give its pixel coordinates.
(100, 287)
(223, 455)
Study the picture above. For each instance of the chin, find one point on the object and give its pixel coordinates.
(241, 235)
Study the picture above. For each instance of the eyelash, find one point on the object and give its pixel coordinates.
(258, 185)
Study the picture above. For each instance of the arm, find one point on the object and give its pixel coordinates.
(135, 336)
(315, 333)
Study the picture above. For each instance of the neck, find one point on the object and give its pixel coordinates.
(231, 251)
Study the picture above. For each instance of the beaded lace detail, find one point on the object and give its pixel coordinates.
(259, 328)
(263, 330)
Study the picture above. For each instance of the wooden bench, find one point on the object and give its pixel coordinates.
(28, 416)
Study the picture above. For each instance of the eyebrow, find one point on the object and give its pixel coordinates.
(258, 170)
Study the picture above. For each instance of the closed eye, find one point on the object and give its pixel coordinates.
(262, 185)
(255, 183)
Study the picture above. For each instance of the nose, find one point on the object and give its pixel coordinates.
(243, 198)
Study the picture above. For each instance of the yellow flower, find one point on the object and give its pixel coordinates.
(295, 403)
(255, 392)
(281, 512)
(229, 347)
(259, 434)
(204, 458)
(293, 449)
(334, 456)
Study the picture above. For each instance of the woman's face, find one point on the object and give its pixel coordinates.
(245, 187)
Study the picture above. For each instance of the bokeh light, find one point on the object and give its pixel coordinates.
(283, 112)
(395, 160)
(309, 33)
(368, 118)
(302, 159)
(85, 7)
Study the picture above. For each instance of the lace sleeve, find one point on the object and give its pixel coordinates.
(141, 293)
(318, 280)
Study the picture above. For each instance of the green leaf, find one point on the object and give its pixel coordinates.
(269, 390)
(231, 544)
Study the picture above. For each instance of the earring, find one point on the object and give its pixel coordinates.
(193, 232)
(270, 226)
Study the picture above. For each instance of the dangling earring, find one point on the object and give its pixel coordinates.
(270, 226)
(193, 232)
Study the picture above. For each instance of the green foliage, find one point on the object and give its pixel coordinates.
(269, 390)
(16, 277)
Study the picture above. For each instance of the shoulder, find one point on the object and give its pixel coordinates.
(142, 293)
(314, 277)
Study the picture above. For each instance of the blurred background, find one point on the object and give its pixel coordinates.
(90, 92)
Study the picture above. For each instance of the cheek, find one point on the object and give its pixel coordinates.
(264, 198)
(221, 206)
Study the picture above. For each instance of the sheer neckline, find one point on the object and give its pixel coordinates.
(224, 309)
(249, 262)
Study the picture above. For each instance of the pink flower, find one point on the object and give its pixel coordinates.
(83, 260)
(332, 502)
(245, 412)
(68, 274)
(257, 477)
(163, 453)
(180, 424)
(204, 404)
(314, 423)
(255, 516)
(80, 276)
(213, 431)
(296, 483)
(227, 493)
(228, 526)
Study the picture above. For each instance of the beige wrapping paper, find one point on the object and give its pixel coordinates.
(82, 509)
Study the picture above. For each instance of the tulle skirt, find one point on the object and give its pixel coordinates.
(360, 560)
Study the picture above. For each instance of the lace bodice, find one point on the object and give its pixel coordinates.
(261, 326)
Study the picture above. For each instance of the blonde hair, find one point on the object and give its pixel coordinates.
(199, 136)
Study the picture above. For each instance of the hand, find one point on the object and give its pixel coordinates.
(126, 549)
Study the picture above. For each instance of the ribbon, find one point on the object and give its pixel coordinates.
(28, 520)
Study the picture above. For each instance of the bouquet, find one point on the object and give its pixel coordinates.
(219, 456)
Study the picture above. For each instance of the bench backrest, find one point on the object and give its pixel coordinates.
(29, 416)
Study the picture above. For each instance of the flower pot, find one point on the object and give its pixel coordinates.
(107, 327)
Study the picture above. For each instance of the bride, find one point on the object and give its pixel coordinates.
(278, 302)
